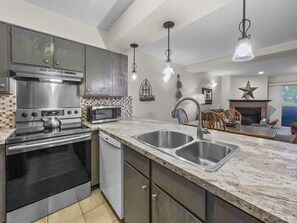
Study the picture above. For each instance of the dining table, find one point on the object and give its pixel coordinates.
(249, 130)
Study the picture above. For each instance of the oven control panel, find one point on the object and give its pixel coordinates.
(27, 115)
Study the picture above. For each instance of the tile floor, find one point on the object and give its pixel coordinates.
(93, 209)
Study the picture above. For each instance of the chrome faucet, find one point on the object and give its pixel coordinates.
(200, 131)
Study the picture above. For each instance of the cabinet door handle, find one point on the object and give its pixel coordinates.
(154, 196)
(45, 60)
(57, 63)
(88, 90)
(144, 187)
(2, 85)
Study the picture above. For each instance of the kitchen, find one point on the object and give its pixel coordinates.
(89, 124)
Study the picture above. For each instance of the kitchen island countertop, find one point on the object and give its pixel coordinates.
(260, 179)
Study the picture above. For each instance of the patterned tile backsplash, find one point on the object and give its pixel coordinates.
(7, 111)
(124, 102)
(8, 107)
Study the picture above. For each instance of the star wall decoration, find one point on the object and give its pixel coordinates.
(248, 91)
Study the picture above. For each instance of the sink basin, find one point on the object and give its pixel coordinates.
(164, 139)
(209, 155)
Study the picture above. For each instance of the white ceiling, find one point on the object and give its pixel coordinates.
(99, 13)
(215, 35)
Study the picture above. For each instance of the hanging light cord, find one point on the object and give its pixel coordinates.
(168, 51)
(244, 25)
(134, 66)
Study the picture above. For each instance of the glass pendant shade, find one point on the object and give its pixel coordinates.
(243, 51)
(134, 76)
(167, 72)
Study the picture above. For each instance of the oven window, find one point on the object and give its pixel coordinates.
(102, 114)
(35, 175)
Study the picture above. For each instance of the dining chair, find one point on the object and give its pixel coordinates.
(295, 140)
(182, 116)
(232, 115)
(213, 120)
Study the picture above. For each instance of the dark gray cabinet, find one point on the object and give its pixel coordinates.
(167, 210)
(69, 55)
(98, 72)
(4, 52)
(29, 47)
(137, 196)
(38, 49)
(119, 75)
(217, 209)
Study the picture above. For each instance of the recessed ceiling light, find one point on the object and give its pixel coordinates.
(261, 72)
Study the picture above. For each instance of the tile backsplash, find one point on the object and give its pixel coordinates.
(7, 111)
(8, 107)
(124, 102)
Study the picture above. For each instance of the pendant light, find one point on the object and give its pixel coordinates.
(134, 75)
(168, 71)
(243, 51)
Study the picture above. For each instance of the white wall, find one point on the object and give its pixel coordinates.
(24, 14)
(151, 68)
(256, 81)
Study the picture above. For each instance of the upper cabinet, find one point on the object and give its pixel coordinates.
(4, 71)
(34, 48)
(106, 73)
(98, 72)
(68, 55)
(119, 75)
(29, 47)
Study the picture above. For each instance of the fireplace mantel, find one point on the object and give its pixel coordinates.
(242, 100)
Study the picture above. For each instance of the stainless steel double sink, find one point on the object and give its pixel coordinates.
(208, 155)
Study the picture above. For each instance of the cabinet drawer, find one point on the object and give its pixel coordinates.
(167, 210)
(136, 196)
(138, 161)
(190, 195)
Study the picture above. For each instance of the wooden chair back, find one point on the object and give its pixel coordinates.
(213, 120)
(232, 115)
(295, 140)
(182, 116)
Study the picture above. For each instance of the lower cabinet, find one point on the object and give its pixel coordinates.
(155, 194)
(136, 196)
(167, 210)
(218, 209)
(95, 158)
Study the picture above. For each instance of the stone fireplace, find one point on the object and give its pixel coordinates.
(252, 111)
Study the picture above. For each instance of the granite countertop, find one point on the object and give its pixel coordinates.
(4, 134)
(260, 179)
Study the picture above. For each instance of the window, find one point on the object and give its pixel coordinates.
(289, 105)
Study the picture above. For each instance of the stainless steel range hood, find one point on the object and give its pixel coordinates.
(21, 72)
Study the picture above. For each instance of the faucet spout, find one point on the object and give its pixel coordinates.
(200, 131)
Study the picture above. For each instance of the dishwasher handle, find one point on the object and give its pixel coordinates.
(109, 140)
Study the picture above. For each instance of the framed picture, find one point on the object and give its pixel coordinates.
(208, 95)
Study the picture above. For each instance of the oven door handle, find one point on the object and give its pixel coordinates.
(21, 148)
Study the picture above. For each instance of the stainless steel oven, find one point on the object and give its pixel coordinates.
(48, 157)
(100, 114)
(39, 170)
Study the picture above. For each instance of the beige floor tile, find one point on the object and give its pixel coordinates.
(42, 220)
(80, 219)
(101, 214)
(95, 200)
(65, 215)
(116, 221)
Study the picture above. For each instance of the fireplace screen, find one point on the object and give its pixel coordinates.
(249, 115)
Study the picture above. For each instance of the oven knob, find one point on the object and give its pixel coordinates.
(24, 114)
(34, 114)
(69, 112)
(75, 112)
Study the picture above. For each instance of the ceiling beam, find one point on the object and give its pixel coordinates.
(206, 65)
(142, 22)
